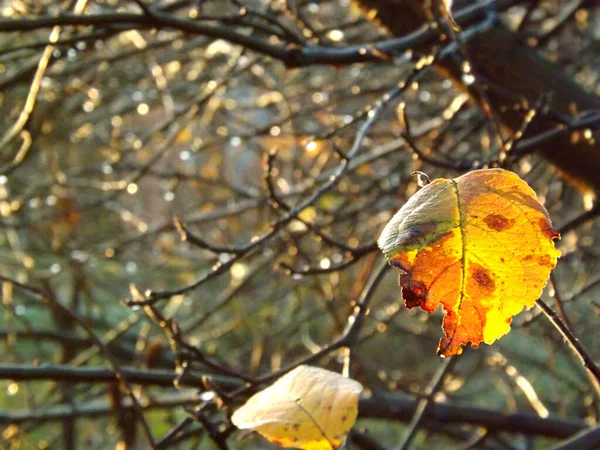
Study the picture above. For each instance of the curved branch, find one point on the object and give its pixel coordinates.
(292, 56)
(394, 408)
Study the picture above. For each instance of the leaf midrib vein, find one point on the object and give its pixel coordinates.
(464, 249)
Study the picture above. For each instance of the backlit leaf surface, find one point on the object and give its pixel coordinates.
(481, 245)
(308, 408)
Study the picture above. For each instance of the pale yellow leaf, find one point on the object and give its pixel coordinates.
(308, 408)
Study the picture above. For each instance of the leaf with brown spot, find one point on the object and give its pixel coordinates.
(498, 222)
(481, 245)
(308, 408)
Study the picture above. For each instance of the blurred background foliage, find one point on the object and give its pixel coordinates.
(135, 125)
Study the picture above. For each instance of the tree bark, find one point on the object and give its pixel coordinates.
(512, 74)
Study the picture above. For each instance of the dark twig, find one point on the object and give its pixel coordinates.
(364, 441)
(586, 440)
(333, 180)
(23, 372)
(144, 7)
(433, 387)
(350, 334)
(580, 219)
(570, 338)
(188, 236)
(118, 372)
(397, 408)
(494, 421)
(294, 57)
(174, 432)
(173, 333)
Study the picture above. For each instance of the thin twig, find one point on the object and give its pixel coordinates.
(291, 55)
(118, 372)
(586, 440)
(434, 386)
(568, 335)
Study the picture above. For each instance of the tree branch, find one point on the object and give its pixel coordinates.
(291, 56)
(588, 439)
(516, 75)
(390, 408)
(517, 422)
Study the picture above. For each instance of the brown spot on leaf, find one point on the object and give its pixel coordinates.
(498, 222)
(483, 278)
(545, 260)
(296, 426)
(547, 229)
(415, 294)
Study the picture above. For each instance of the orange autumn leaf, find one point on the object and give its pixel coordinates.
(481, 245)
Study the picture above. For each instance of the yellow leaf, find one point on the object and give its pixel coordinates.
(481, 245)
(309, 408)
